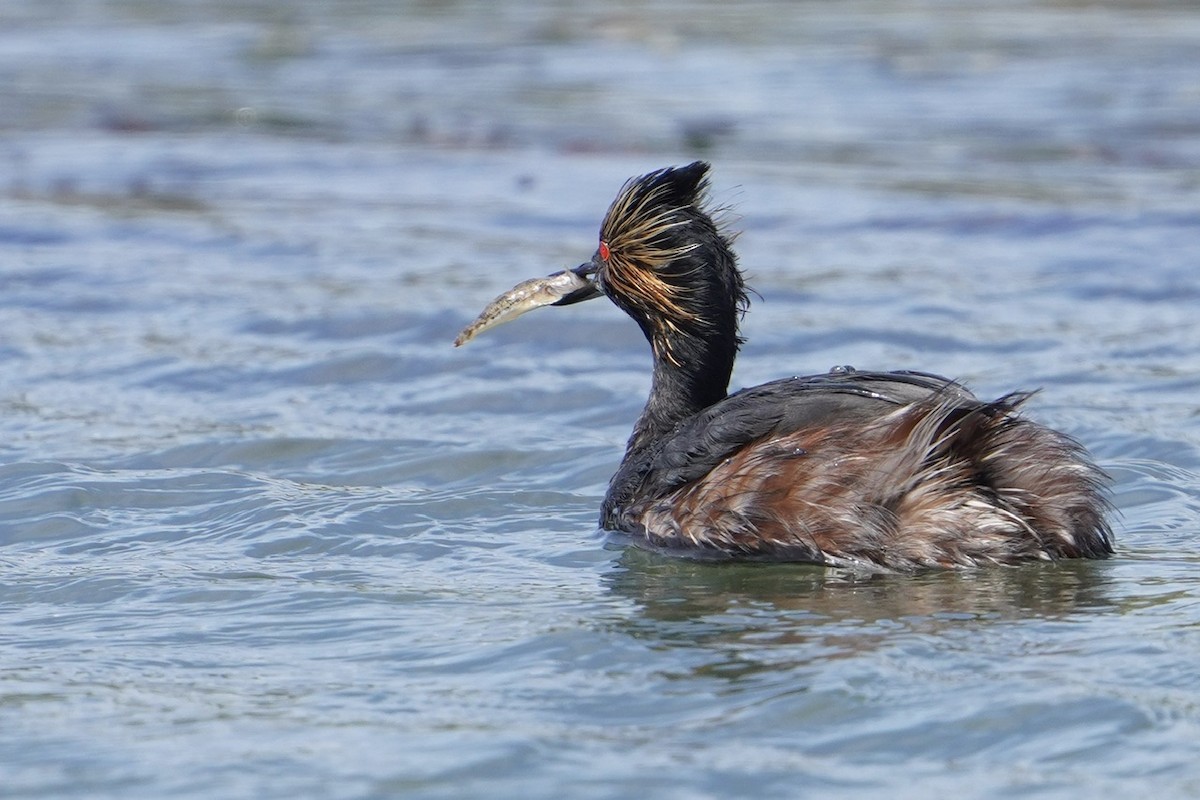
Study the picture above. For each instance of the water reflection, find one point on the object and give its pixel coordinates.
(749, 609)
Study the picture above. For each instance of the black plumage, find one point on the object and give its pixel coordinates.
(898, 470)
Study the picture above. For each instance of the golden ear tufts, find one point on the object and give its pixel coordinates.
(637, 231)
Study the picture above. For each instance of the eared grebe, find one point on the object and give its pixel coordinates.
(899, 470)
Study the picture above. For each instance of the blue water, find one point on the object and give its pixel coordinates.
(265, 533)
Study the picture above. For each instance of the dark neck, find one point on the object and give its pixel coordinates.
(696, 378)
(693, 377)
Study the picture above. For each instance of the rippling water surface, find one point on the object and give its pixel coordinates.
(265, 533)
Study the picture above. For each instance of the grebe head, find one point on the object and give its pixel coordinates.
(665, 261)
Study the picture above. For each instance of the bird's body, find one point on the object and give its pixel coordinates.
(896, 470)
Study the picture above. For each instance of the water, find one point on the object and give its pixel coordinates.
(265, 533)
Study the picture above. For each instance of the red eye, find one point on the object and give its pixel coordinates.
(604, 251)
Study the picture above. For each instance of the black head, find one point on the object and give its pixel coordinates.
(665, 261)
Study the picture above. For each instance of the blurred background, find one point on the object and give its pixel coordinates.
(908, 94)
